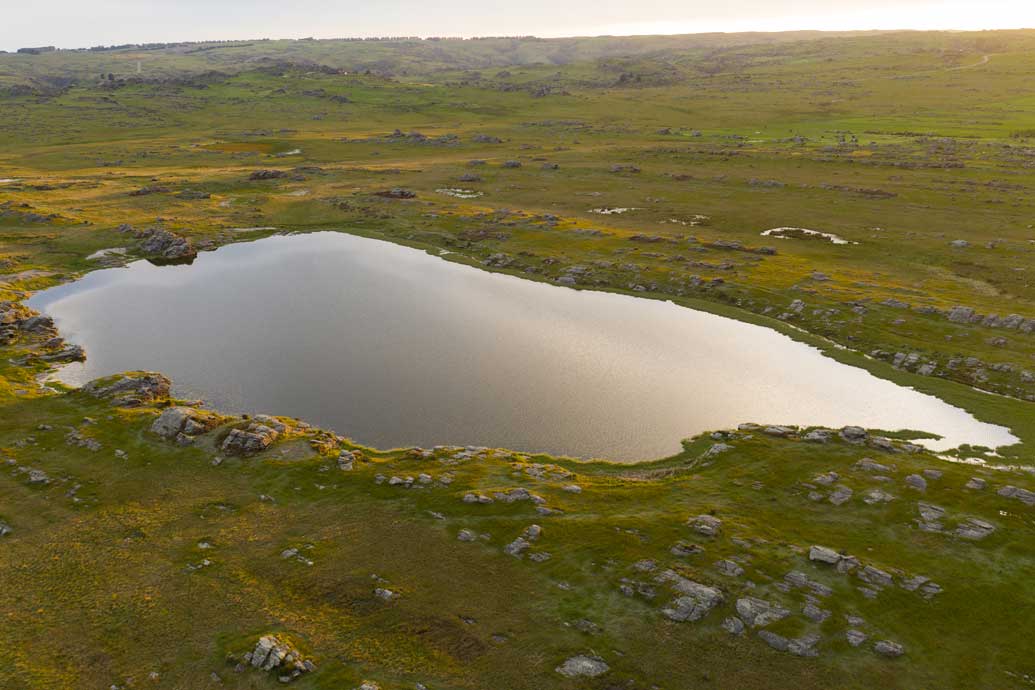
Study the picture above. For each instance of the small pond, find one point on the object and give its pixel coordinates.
(395, 347)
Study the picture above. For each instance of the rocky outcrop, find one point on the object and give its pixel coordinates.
(182, 424)
(162, 245)
(277, 655)
(131, 389)
(255, 438)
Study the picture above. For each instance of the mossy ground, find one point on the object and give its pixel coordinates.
(96, 586)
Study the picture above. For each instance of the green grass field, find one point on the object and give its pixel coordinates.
(918, 149)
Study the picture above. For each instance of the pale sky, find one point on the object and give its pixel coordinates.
(82, 23)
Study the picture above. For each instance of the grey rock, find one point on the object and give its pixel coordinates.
(130, 390)
(854, 434)
(696, 600)
(729, 568)
(915, 481)
(707, 525)
(777, 642)
(818, 436)
(466, 535)
(974, 529)
(1023, 495)
(252, 439)
(840, 496)
(874, 576)
(804, 646)
(889, 649)
(815, 613)
(166, 246)
(976, 484)
(758, 612)
(870, 465)
(822, 554)
(855, 637)
(517, 547)
(733, 625)
(827, 478)
(874, 496)
(583, 666)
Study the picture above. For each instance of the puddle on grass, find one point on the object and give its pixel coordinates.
(799, 233)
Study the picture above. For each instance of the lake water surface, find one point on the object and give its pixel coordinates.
(394, 347)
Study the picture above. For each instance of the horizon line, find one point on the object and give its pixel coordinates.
(401, 38)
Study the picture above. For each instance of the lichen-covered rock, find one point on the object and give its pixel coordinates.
(131, 389)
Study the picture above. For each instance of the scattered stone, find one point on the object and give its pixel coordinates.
(874, 576)
(1023, 495)
(266, 175)
(777, 642)
(889, 649)
(874, 496)
(870, 465)
(818, 436)
(976, 484)
(915, 481)
(466, 535)
(684, 549)
(930, 517)
(582, 665)
(815, 613)
(396, 193)
(708, 525)
(932, 474)
(840, 496)
(804, 646)
(975, 529)
(733, 625)
(854, 434)
(517, 547)
(855, 637)
(696, 600)
(758, 612)
(827, 478)
(729, 568)
(822, 554)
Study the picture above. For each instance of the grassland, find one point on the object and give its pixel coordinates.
(915, 148)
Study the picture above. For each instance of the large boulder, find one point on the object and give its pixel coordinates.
(255, 438)
(182, 424)
(130, 389)
(162, 245)
(272, 653)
